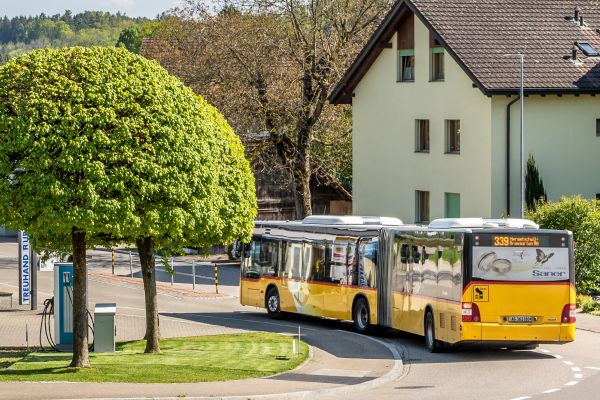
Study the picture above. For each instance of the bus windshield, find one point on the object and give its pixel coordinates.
(520, 258)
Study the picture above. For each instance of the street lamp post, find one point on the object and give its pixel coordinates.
(521, 58)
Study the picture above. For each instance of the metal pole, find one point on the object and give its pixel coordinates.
(172, 272)
(193, 274)
(216, 279)
(34, 279)
(522, 138)
(130, 264)
(113, 260)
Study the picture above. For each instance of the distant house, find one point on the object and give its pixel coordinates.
(436, 117)
(275, 189)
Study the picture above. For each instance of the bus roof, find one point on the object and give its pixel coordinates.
(516, 223)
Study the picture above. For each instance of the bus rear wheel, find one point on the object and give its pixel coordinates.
(430, 343)
(360, 315)
(273, 303)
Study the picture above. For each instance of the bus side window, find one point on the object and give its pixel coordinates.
(269, 258)
(316, 262)
(293, 261)
(337, 268)
(367, 264)
(251, 267)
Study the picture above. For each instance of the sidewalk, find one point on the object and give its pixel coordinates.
(588, 322)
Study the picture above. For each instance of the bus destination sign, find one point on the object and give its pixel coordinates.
(516, 241)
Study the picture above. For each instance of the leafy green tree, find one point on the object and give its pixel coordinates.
(582, 217)
(98, 144)
(176, 210)
(534, 185)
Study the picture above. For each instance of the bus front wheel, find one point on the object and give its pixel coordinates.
(430, 343)
(361, 315)
(273, 303)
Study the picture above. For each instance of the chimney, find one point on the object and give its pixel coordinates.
(581, 20)
(577, 14)
(574, 52)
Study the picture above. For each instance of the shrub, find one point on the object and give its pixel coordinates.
(582, 217)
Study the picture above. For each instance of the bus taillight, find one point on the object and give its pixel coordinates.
(470, 312)
(568, 314)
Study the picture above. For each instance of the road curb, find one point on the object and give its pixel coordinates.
(395, 373)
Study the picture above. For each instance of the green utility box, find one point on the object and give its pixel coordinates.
(104, 327)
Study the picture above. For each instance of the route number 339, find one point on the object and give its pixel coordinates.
(501, 241)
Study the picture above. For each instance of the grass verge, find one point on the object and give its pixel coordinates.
(190, 359)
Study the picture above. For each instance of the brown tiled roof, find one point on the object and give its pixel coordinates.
(478, 33)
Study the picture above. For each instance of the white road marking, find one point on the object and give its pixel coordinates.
(578, 376)
(594, 368)
(543, 351)
(568, 362)
(340, 372)
(551, 391)
(575, 369)
(522, 398)
(571, 383)
(557, 356)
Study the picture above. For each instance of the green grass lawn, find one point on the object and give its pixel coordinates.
(191, 359)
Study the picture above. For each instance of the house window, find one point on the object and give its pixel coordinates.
(406, 63)
(436, 59)
(453, 136)
(421, 206)
(406, 49)
(598, 127)
(422, 135)
(437, 64)
(452, 205)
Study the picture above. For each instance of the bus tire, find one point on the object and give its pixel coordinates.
(430, 343)
(361, 315)
(273, 303)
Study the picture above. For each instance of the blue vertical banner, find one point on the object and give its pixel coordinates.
(24, 269)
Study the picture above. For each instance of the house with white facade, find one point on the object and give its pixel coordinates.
(436, 111)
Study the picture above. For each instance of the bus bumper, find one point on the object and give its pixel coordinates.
(493, 332)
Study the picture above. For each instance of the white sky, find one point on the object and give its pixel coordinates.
(133, 8)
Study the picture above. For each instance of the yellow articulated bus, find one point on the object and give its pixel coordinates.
(457, 281)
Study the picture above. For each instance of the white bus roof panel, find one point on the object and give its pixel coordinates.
(449, 223)
(350, 220)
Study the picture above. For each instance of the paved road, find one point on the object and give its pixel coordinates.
(569, 371)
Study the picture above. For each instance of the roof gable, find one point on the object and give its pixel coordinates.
(478, 34)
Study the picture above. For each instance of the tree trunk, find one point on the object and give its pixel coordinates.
(303, 196)
(146, 250)
(80, 320)
(302, 170)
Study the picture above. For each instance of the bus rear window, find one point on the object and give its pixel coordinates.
(520, 258)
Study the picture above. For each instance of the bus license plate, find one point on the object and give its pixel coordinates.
(520, 319)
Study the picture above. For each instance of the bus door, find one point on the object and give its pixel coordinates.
(294, 293)
(251, 269)
(363, 276)
(400, 283)
(313, 277)
(339, 276)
